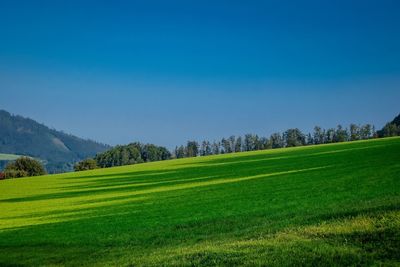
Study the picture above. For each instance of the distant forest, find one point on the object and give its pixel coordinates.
(57, 150)
(138, 153)
(131, 154)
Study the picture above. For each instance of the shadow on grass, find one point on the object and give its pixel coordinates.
(129, 181)
(363, 237)
(150, 220)
(103, 203)
(369, 238)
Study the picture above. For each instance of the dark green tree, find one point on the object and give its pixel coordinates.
(330, 135)
(232, 143)
(257, 143)
(341, 134)
(248, 142)
(226, 145)
(366, 131)
(192, 149)
(84, 165)
(216, 148)
(276, 140)
(294, 137)
(319, 135)
(263, 143)
(238, 144)
(24, 166)
(205, 149)
(309, 139)
(180, 152)
(131, 154)
(354, 132)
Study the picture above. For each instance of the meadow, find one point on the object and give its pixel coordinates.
(335, 204)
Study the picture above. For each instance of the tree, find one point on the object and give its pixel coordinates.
(263, 143)
(180, 152)
(87, 164)
(354, 132)
(276, 140)
(366, 131)
(374, 133)
(24, 166)
(330, 135)
(163, 153)
(192, 149)
(248, 142)
(319, 135)
(341, 134)
(257, 143)
(226, 145)
(294, 137)
(232, 143)
(309, 139)
(152, 152)
(216, 148)
(134, 154)
(205, 149)
(266, 143)
(251, 142)
(124, 156)
(238, 144)
(131, 154)
(116, 157)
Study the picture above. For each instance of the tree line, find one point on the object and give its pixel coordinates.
(139, 153)
(289, 138)
(125, 155)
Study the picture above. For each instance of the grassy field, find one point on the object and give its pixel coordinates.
(321, 205)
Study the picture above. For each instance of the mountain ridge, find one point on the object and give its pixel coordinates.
(59, 150)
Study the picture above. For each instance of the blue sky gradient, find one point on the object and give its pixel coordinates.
(168, 71)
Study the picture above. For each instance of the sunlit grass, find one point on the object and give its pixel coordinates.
(320, 205)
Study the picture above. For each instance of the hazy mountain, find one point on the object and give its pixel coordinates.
(385, 131)
(59, 151)
(396, 120)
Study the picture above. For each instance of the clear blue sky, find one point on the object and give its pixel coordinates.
(168, 71)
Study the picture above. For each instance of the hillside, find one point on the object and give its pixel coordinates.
(5, 158)
(23, 136)
(8, 156)
(336, 204)
(396, 120)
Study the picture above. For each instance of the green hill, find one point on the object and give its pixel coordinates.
(19, 135)
(5, 158)
(323, 205)
(8, 156)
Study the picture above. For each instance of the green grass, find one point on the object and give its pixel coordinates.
(321, 205)
(8, 156)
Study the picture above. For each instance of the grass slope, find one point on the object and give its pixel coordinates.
(323, 205)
